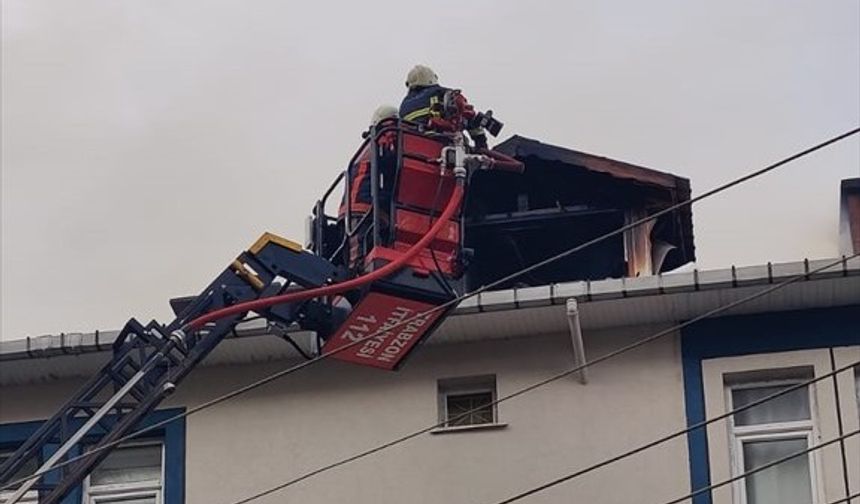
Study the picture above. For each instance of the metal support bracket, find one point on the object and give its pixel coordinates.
(576, 338)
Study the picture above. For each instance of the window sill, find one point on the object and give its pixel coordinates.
(465, 428)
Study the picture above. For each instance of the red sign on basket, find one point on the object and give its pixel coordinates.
(380, 322)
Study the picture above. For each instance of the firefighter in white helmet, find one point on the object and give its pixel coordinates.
(360, 195)
(382, 113)
(424, 100)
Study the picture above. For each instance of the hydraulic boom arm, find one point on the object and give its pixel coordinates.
(149, 361)
(402, 294)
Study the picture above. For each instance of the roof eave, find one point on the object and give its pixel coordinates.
(522, 312)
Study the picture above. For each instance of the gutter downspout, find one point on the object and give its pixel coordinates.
(576, 339)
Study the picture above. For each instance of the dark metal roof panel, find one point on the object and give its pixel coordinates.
(850, 185)
(522, 147)
(670, 189)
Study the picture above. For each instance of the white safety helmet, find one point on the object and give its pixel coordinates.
(421, 76)
(383, 112)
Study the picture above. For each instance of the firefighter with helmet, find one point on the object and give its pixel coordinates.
(360, 194)
(424, 103)
(382, 113)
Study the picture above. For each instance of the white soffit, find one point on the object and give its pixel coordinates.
(513, 313)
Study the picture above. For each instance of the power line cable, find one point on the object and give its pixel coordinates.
(847, 499)
(762, 467)
(551, 379)
(298, 367)
(663, 212)
(840, 424)
(669, 437)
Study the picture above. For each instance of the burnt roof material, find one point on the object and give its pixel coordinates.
(669, 188)
(522, 148)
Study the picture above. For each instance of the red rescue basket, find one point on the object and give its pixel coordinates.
(409, 188)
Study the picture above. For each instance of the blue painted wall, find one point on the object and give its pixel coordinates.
(171, 434)
(752, 334)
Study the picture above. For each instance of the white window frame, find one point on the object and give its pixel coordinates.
(718, 373)
(99, 494)
(467, 391)
(30, 497)
(464, 386)
(796, 429)
(850, 404)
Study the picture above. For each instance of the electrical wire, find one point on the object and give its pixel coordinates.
(762, 467)
(337, 288)
(241, 308)
(558, 376)
(518, 255)
(847, 499)
(289, 339)
(265, 302)
(840, 423)
(298, 367)
(293, 369)
(682, 432)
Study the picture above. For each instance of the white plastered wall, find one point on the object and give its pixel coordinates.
(334, 410)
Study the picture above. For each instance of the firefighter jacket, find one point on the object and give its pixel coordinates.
(419, 103)
(423, 105)
(359, 177)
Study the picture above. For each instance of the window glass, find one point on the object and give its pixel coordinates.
(458, 397)
(470, 409)
(126, 500)
(857, 385)
(785, 483)
(129, 465)
(793, 406)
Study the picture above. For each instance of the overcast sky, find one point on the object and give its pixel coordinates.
(145, 143)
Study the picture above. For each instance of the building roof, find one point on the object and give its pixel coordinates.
(659, 189)
(522, 147)
(512, 313)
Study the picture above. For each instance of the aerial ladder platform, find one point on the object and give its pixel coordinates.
(372, 284)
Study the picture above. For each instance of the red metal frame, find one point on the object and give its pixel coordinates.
(421, 190)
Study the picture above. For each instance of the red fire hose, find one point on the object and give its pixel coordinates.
(329, 290)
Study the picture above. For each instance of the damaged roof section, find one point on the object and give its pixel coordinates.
(566, 198)
(849, 216)
(523, 148)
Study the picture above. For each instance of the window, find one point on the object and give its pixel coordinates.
(467, 401)
(145, 472)
(23, 472)
(770, 431)
(751, 351)
(129, 475)
(767, 432)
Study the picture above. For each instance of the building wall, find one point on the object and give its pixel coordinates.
(334, 410)
(770, 344)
